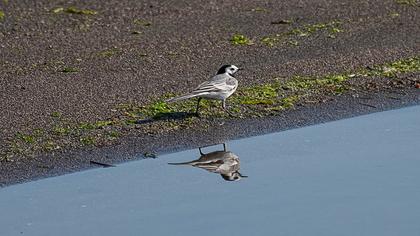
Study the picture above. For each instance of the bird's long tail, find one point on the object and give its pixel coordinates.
(183, 97)
(181, 163)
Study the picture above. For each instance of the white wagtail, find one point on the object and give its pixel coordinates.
(225, 163)
(219, 87)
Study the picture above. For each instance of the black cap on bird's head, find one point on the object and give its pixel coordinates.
(235, 176)
(230, 69)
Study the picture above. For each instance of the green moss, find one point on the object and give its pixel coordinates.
(288, 102)
(2, 15)
(239, 39)
(131, 122)
(270, 40)
(49, 146)
(96, 125)
(16, 148)
(332, 27)
(74, 10)
(259, 9)
(109, 52)
(56, 114)
(407, 2)
(142, 22)
(401, 66)
(293, 42)
(299, 83)
(103, 123)
(27, 138)
(87, 141)
(292, 36)
(61, 130)
(262, 94)
(333, 31)
(70, 70)
(394, 14)
(86, 126)
(57, 10)
(112, 135)
(392, 69)
(159, 108)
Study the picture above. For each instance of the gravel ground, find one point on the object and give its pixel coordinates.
(82, 59)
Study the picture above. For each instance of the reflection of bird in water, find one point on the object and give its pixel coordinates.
(225, 163)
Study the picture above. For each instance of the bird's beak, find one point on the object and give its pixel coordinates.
(240, 68)
(243, 176)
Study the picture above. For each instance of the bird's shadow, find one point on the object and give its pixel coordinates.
(167, 116)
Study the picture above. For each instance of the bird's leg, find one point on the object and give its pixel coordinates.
(224, 147)
(198, 106)
(201, 152)
(224, 108)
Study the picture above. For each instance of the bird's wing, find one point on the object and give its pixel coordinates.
(210, 166)
(215, 85)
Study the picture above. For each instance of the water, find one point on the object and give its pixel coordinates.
(358, 176)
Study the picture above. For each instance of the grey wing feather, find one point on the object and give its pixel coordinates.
(215, 85)
(218, 83)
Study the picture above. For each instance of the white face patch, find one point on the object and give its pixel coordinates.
(235, 68)
(232, 69)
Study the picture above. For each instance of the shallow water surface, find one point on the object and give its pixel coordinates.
(357, 176)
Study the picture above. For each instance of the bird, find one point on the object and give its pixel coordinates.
(225, 163)
(219, 87)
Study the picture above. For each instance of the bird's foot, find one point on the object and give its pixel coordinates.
(230, 114)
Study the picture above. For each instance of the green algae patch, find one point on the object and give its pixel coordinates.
(240, 39)
(87, 141)
(56, 114)
(408, 2)
(394, 14)
(109, 52)
(272, 40)
(293, 36)
(259, 9)
(27, 138)
(70, 70)
(57, 10)
(73, 10)
(392, 69)
(142, 22)
(259, 95)
(2, 15)
(305, 83)
(95, 125)
(61, 130)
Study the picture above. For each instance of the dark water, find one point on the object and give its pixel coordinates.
(357, 176)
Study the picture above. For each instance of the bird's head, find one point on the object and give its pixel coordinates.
(228, 69)
(235, 176)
